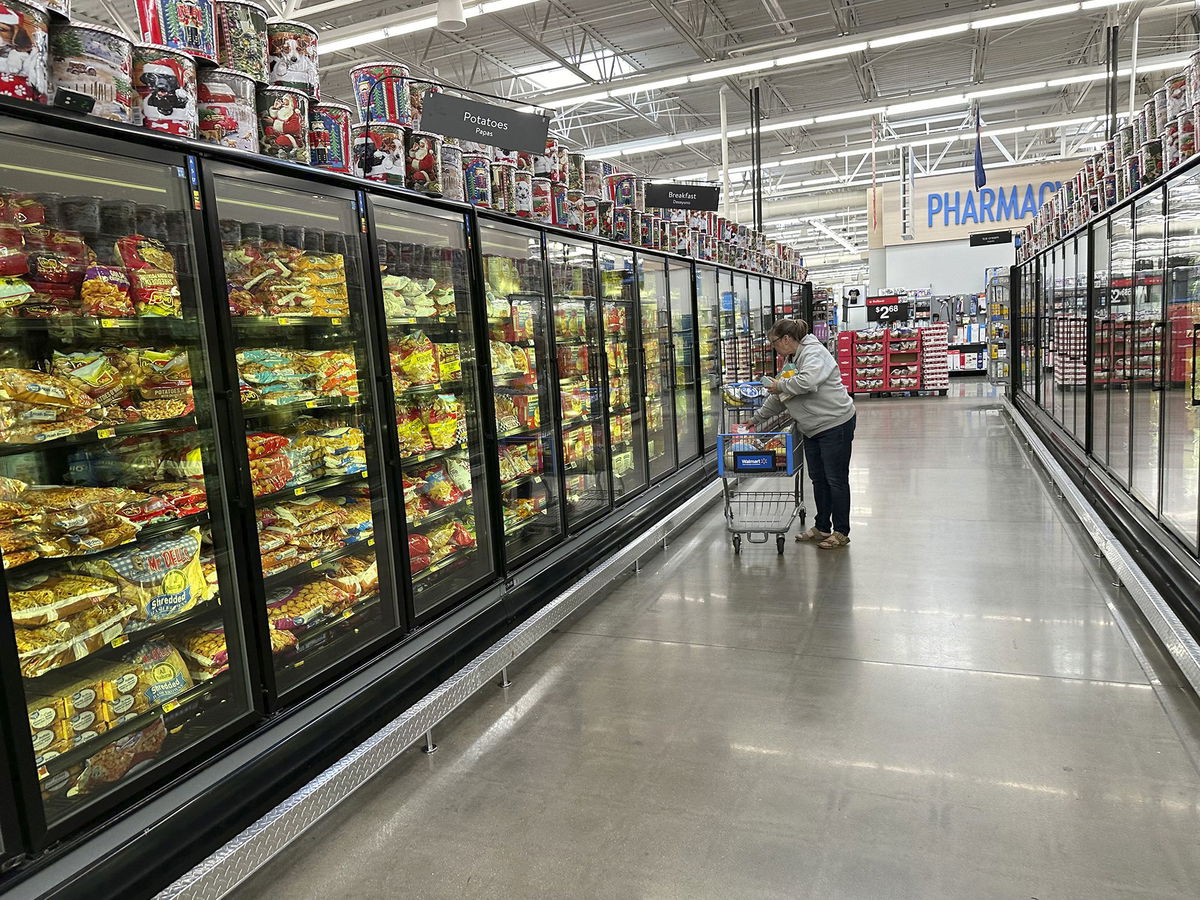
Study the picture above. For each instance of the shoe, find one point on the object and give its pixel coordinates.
(812, 535)
(835, 541)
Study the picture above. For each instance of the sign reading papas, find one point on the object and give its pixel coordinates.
(484, 123)
(683, 196)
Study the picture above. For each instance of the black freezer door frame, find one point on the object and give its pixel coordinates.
(697, 268)
(22, 770)
(378, 377)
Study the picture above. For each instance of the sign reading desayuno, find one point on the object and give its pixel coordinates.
(484, 123)
(683, 196)
(948, 207)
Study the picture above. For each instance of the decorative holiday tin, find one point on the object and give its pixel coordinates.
(242, 38)
(25, 64)
(226, 109)
(95, 61)
(648, 233)
(622, 220)
(452, 172)
(1133, 167)
(1187, 137)
(292, 56)
(558, 203)
(1152, 161)
(1160, 110)
(1176, 88)
(59, 9)
(593, 178)
(377, 150)
(591, 213)
(504, 156)
(283, 123)
(639, 193)
(416, 99)
(477, 179)
(679, 238)
(525, 161)
(187, 25)
(545, 165)
(1124, 142)
(504, 188)
(635, 226)
(165, 80)
(1171, 145)
(560, 163)
(424, 162)
(622, 188)
(575, 166)
(523, 192)
(543, 199)
(574, 209)
(476, 147)
(606, 219)
(381, 90)
(329, 137)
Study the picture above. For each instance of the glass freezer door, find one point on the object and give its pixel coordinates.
(294, 279)
(708, 309)
(683, 351)
(426, 291)
(729, 345)
(116, 562)
(578, 347)
(623, 382)
(657, 347)
(519, 332)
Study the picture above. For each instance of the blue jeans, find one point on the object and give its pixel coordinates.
(828, 458)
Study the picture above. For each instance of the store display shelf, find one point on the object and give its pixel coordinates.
(327, 558)
(432, 455)
(427, 321)
(273, 322)
(440, 387)
(585, 468)
(618, 410)
(454, 559)
(519, 481)
(257, 410)
(145, 535)
(535, 431)
(315, 486)
(104, 433)
(575, 342)
(157, 325)
(312, 637)
(520, 342)
(522, 524)
(580, 421)
(441, 514)
(77, 755)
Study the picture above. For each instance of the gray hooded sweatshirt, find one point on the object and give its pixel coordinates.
(813, 394)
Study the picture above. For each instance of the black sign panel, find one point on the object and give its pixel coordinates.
(894, 311)
(484, 123)
(683, 196)
(987, 238)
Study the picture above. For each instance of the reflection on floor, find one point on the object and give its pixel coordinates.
(947, 709)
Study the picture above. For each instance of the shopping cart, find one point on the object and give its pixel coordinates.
(747, 463)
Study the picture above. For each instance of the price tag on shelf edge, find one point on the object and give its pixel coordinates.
(170, 706)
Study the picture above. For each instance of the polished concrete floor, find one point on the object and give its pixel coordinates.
(957, 706)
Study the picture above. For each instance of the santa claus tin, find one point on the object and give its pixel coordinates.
(165, 80)
(242, 38)
(424, 161)
(226, 109)
(187, 25)
(329, 136)
(378, 152)
(292, 56)
(97, 62)
(283, 123)
(25, 64)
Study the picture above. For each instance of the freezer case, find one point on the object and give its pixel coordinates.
(521, 350)
(426, 290)
(122, 650)
(578, 348)
(623, 375)
(684, 359)
(657, 351)
(708, 320)
(309, 461)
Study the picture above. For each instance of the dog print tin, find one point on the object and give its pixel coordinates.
(292, 56)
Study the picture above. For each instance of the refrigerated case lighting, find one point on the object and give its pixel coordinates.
(91, 179)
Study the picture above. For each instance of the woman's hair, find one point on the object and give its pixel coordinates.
(796, 329)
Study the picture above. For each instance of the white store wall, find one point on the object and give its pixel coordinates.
(945, 267)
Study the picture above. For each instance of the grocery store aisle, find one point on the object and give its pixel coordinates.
(950, 708)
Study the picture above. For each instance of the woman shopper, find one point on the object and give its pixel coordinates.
(810, 388)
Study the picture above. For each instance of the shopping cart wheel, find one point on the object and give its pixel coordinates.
(737, 543)
(779, 544)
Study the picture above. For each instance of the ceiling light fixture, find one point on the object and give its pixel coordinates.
(825, 53)
(924, 34)
(931, 103)
(852, 114)
(451, 16)
(732, 70)
(1027, 16)
(1005, 91)
(648, 86)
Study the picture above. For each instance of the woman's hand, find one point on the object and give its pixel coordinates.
(773, 387)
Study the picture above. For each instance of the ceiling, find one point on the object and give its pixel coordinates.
(540, 51)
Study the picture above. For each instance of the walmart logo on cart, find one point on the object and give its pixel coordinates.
(1011, 203)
